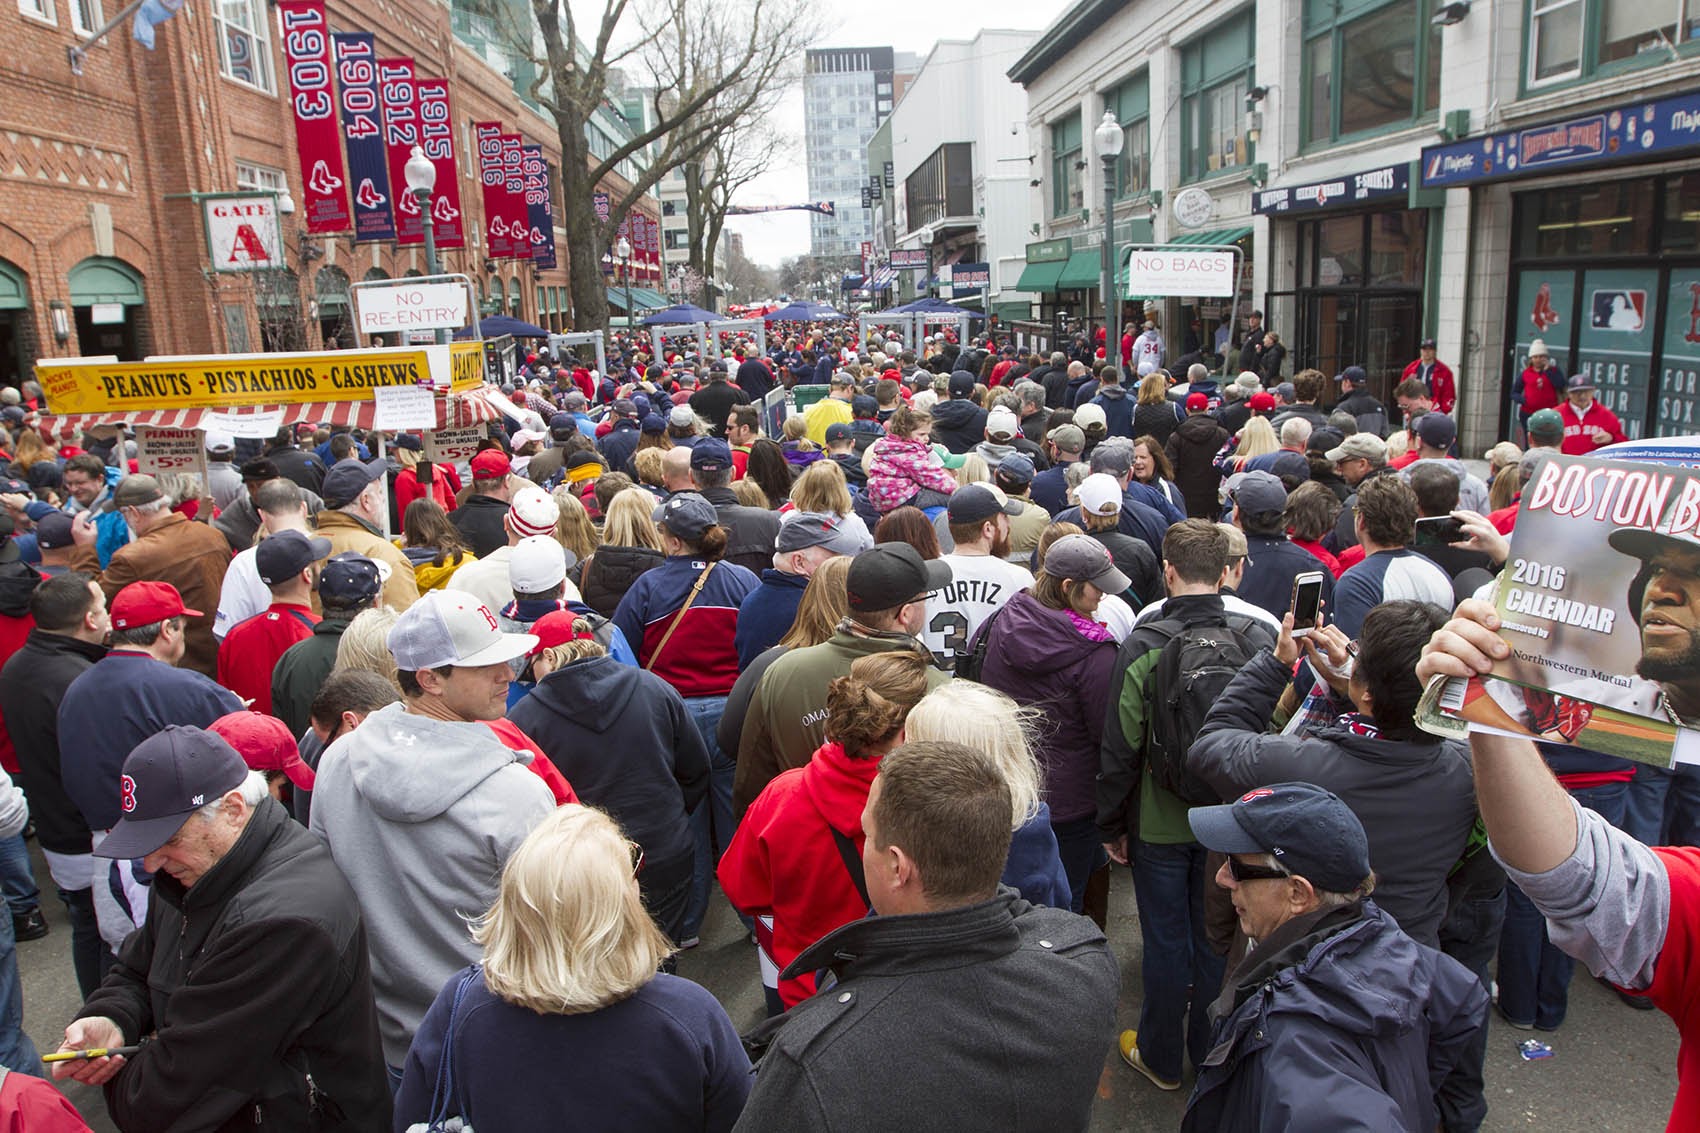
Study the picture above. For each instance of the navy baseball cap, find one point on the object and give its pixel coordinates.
(349, 579)
(1311, 832)
(53, 531)
(687, 515)
(711, 454)
(976, 503)
(863, 407)
(286, 554)
(1353, 374)
(838, 431)
(961, 383)
(348, 478)
(166, 778)
(1017, 468)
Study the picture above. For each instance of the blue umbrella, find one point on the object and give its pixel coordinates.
(801, 312)
(497, 325)
(680, 314)
(927, 306)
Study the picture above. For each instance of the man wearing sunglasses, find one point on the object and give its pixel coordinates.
(1335, 1017)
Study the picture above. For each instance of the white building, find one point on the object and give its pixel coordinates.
(960, 161)
(847, 93)
(1393, 170)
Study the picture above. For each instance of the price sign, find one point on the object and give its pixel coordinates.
(171, 450)
(451, 446)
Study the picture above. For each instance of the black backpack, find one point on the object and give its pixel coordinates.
(1195, 665)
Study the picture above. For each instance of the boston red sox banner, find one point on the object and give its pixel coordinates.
(401, 133)
(513, 180)
(357, 98)
(307, 52)
(436, 131)
(652, 237)
(537, 206)
(492, 179)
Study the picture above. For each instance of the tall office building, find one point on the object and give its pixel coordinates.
(847, 93)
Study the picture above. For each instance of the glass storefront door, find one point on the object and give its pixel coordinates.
(1377, 330)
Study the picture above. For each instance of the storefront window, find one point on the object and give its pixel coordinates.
(1065, 166)
(1340, 252)
(1216, 74)
(1597, 220)
(1681, 231)
(1368, 72)
(1130, 102)
(1575, 39)
(1398, 243)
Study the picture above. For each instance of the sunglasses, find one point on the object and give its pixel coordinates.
(1243, 872)
(637, 857)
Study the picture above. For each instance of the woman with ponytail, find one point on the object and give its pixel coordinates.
(796, 860)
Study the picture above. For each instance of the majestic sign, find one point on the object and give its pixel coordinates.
(307, 53)
(357, 87)
(242, 231)
(400, 101)
(436, 138)
(1390, 182)
(1180, 271)
(1627, 133)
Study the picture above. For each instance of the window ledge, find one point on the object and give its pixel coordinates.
(245, 85)
(1365, 143)
(38, 19)
(1562, 99)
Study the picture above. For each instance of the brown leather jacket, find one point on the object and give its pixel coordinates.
(192, 557)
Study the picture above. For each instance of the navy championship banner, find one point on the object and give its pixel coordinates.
(357, 86)
(538, 208)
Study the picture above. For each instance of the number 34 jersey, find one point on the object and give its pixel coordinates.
(979, 585)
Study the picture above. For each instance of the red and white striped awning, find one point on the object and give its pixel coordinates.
(454, 411)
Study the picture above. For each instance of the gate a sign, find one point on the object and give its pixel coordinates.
(242, 231)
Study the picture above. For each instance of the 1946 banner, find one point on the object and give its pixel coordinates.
(401, 133)
(538, 207)
(436, 133)
(357, 88)
(307, 52)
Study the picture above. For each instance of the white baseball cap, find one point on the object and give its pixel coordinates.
(452, 627)
(1088, 415)
(532, 512)
(537, 564)
(1100, 494)
(1001, 422)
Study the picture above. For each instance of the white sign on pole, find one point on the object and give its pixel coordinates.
(171, 450)
(262, 425)
(451, 446)
(1180, 271)
(403, 407)
(410, 307)
(243, 232)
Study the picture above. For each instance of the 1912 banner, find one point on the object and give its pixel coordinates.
(307, 52)
(513, 185)
(357, 87)
(401, 133)
(537, 205)
(436, 133)
(492, 179)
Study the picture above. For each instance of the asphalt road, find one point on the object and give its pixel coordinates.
(1613, 1068)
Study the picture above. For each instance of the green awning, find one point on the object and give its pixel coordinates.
(1041, 277)
(1213, 236)
(1083, 271)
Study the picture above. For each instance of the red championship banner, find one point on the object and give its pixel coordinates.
(493, 179)
(318, 140)
(652, 244)
(401, 133)
(515, 211)
(436, 131)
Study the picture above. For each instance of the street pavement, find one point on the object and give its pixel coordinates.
(1613, 1068)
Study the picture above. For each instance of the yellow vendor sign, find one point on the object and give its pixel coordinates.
(208, 381)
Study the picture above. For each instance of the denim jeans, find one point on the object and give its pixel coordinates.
(1534, 976)
(712, 824)
(90, 956)
(17, 878)
(16, 1050)
(1181, 974)
(1082, 851)
(1470, 935)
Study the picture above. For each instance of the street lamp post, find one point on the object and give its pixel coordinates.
(623, 252)
(1108, 135)
(421, 178)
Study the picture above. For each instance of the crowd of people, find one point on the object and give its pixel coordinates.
(359, 773)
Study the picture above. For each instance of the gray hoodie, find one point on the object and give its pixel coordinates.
(421, 815)
(1472, 493)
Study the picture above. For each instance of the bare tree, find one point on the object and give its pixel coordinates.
(735, 158)
(708, 67)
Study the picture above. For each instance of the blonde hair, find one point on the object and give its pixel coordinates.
(1257, 438)
(1154, 388)
(988, 721)
(628, 523)
(364, 645)
(558, 657)
(749, 494)
(822, 487)
(568, 933)
(648, 463)
(974, 470)
(825, 601)
(573, 530)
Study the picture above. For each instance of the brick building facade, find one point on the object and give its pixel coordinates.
(101, 242)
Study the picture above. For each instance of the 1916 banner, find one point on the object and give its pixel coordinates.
(357, 90)
(493, 180)
(513, 183)
(436, 132)
(307, 52)
(400, 101)
(537, 205)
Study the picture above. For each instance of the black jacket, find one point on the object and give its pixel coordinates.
(1014, 1004)
(1271, 565)
(1411, 847)
(1370, 414)
(1191, 452)
(755, 379)
(1159, 420)
(714, 401)
(479, 521)
(752, 533)
(624, 740)
(621, 442)
(610, 572)
(299, 465)
(1056, 388)
(32, 684)
(958, 424)
(256, 987)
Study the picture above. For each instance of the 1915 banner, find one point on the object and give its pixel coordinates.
(436, 133)
(357, 87)
(401, 133)
(307, 52)
(538, 208)
(493, 181)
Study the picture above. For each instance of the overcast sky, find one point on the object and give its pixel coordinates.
(903, 24)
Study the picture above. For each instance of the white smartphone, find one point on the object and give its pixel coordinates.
(1307, 602)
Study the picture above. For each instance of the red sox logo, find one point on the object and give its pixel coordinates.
(323, 181)
(1256, 793)
(368, 196)
(128, 799)
(498, 226)
(442, 211)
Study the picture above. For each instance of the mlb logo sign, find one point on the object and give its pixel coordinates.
(1618, 310)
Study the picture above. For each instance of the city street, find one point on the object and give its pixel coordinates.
(1612, 1069)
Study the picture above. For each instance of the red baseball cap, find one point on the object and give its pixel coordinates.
(1261, 402)
(491, 464)
(264, 743)
(556, 629)
(144, 603)
(1197, 401)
